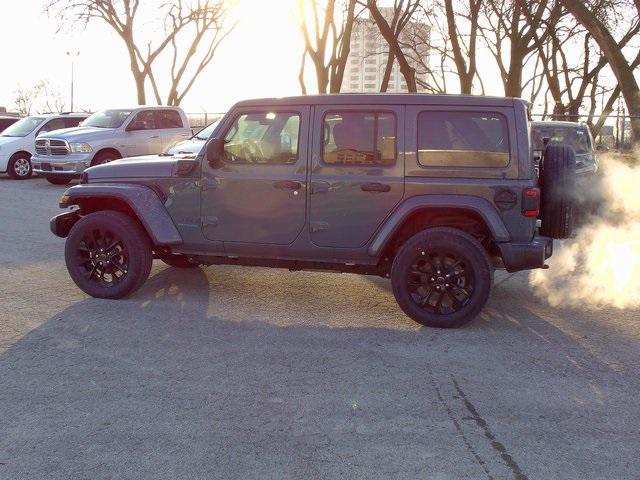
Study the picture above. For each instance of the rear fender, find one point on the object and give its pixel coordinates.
(480, 206)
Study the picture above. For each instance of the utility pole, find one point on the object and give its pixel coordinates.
(73, 55)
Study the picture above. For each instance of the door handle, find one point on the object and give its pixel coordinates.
(157, 136)
(375, 187)
(287, 185)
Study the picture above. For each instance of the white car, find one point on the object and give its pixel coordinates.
(17, 141)
(108, 135)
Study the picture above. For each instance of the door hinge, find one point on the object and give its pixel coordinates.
(210, 221)
(319, 226)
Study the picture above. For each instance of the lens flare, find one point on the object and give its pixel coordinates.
(600, 267)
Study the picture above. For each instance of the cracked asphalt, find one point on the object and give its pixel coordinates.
(248, 373)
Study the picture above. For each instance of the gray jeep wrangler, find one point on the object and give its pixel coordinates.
(433, 192)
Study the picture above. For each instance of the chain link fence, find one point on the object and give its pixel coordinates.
(198, 121)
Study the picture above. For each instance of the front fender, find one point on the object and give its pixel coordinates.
(477, 205)
(143, 201)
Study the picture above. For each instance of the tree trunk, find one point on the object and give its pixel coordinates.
(617, 61)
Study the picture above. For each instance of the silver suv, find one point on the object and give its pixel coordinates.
(105, 136)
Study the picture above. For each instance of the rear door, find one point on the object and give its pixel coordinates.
(357, 172)
(257, 195)
(170, 128)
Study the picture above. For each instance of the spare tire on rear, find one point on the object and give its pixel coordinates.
(557, 183)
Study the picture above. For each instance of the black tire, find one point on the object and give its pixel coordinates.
(59, 180)
(19, 166)
(104, 157)
(558, 184)
(421, 285)
(117, 241)
(177, 261)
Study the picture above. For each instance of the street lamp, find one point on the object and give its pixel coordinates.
(73, 54)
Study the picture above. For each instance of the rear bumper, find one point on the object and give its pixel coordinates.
(526, 256)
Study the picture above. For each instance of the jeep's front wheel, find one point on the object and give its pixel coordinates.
(441, 277)
(108, 254)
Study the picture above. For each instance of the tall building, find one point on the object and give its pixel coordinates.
(368, 56)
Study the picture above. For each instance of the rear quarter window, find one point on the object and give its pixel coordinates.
(463, 139)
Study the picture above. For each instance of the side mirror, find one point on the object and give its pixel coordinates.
(215, 151)
(137, 125)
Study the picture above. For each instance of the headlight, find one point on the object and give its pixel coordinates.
(80, 148)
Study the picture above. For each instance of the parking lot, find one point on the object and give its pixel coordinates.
(226, 372)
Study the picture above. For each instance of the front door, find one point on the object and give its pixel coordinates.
(357, 172)
(257, 194)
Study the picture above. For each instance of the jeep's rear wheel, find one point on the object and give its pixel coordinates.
(108, 254)
(441, 277)
(557, 182)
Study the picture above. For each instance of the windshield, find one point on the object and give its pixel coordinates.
(107, 119)
(206, 132)
(576, 138)
(23, 127)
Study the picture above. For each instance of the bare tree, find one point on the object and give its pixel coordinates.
(40, 94)
(403, 12)
(187, 26)
(327, 40)
(519, 25)
(464, 53)
(594, 21)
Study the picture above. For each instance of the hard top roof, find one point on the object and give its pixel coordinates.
(383, 99)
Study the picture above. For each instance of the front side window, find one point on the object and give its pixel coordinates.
(51, 125)
(147, 120)
(264, 137)
(107, 119)
(462, 139)
(169, 119)
(23, 127)
(359, 138)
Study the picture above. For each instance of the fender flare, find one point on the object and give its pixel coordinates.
(477, 205)
(142, 200)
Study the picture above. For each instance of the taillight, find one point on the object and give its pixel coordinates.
(531, 202)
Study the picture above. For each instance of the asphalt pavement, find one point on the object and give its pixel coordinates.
(251, 373)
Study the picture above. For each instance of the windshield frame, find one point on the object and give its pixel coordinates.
(22, 121)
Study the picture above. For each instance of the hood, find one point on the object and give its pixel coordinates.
(79, 134)
(193, 145)
(149, 166)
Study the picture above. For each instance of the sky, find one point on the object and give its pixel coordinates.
(261, 58)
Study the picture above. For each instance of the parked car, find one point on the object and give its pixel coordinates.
(576, 135)
(431, 191)
(587, 195)
(17, 141)
(108, 135)
(7, 121)
(192, 145)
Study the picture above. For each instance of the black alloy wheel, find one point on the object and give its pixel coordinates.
(108, 254)
(441, 277)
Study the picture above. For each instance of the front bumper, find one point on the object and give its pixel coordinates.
(61, 224)
(526, 256)
(71, 165)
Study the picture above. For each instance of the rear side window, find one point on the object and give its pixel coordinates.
(168, 119)
(463, 139)
(359, 138)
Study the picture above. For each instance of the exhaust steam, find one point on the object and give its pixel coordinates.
(600, 266)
